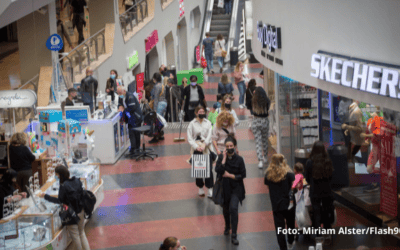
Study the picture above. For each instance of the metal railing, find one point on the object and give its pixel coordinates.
(133, 16)
(73, 62)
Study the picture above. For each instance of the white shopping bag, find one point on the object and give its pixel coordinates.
(220, 3)
(200, 166)
(162, 120)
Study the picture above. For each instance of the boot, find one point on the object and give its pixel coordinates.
(227, 230)
(234, 240)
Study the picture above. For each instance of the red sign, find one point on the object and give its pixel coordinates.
(388, 170)
(197, 53)
(140, 85)
(151, 41)
(181, 8)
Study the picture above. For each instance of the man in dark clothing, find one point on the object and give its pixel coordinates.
(192, 96)
(165, 72)
(71, 95)
(89, 89)
(208, 45)
(78, 21)
(174, 96)
(132, 87)
(129, 104)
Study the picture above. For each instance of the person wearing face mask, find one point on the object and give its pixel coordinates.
(111, 85)
(192, 96)
(70, 194)
(129, 105)
(223, 128)
(227, 106)
(231, 168)
(171, 243)
(199, 137)
(7, 183)
(89, 89)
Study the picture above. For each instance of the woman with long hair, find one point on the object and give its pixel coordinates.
(70, 190)
(230, 166)
(251, 87)
(223, 128)
(260, 124)
(279, 178)
(318, 173)
(224, 87)
(171, 243)
(111, 85)
(219, 47)
(239, 81)
(227, 106)
(199, 134)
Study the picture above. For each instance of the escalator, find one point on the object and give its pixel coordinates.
(220, 22)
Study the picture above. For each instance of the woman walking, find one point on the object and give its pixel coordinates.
(318, 174)
(224, 87)
(70, 194)
(260, 124)
(199, 137)
(279, 178)
(239, 81)
(224, 127)
(219, 47)
(233, 170)
(227, 106)
(251, 87)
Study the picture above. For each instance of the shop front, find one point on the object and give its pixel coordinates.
(333, 84)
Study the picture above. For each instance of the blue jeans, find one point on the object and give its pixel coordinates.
(162, 106)
(228, 7)
(210, 62)
(220, 61)
(242, 89)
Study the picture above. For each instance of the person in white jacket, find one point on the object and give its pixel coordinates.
(219, 47)
(199, 134)
(227, 106)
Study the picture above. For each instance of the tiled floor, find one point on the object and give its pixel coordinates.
(147, 201)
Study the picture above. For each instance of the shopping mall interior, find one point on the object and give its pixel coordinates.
(291, 141)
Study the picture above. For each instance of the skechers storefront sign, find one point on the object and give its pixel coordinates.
(269, 36)
(354, 74)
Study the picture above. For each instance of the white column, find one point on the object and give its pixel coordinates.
(54, 54)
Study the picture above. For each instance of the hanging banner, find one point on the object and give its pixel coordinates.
(181, 8)
(139, 85)
(23, 98)
(388, 170)
(151, 41)
(198, 54)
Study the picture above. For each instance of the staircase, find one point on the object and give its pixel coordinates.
(220, 22)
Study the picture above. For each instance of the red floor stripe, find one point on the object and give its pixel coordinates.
(169, 192)
(161, 163)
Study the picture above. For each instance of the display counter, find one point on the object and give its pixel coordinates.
(38, 226)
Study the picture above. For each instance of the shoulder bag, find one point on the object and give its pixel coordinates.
(223, 52)
(68, 216)
(218, 192)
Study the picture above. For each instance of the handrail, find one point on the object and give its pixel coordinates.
(232, 31)
(208, 8)
(134, 10)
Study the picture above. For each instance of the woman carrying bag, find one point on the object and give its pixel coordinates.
(251, 87)
(70, 194)
(233, 170)
(220, 51)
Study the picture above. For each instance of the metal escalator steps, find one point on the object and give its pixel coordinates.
(221, 17)
(219, 27)
(225, 33)
(221, 22)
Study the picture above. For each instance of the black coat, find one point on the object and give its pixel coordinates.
(21, 158)
(279, 192)
(89, 88)
(234, 166)
(70, 193)
(319, 188)
(186, 96)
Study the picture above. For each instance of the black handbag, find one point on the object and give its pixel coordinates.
(68, 216)
(218, 193)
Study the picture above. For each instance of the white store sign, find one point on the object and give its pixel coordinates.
(357, 75)
(23, 98)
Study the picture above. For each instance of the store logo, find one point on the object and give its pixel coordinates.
(357, 75)
(17, 98)
(269, 36)
(132, 60)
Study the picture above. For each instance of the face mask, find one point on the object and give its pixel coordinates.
(230, 151)
(228, 106)
(193, 84)
(56, 177)
(225, 124)
(202, 116)
(113, 77)
(121, 96)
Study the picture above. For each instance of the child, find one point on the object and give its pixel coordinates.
(299, 178)
(212, 115)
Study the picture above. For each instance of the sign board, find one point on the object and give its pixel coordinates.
(140, 85)
(269, 36)
(23, 98)
(54, 43)
(181, 8)
(198, 53)
(151, 41)
(132, 60)
(81, 115)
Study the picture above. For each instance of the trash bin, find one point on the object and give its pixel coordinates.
(234, 55)
(301, 155)
(340, 177)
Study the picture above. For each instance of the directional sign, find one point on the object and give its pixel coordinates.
(54, 43)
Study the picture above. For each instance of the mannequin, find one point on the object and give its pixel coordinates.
(354, 129)
(374, 133)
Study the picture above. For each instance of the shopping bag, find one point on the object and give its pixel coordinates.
(203, 63)
(200, 166)
(218, 194)
(302, 216)
(162, 120)
(220, 3)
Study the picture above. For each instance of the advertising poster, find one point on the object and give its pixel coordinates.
(139, 85)
(116, 140)
(388, 170)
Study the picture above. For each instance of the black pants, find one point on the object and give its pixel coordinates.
(134, 137)
(321, 209)
(231, 213)
(279, 221)
(111, 93)
(23, 180)
(78, 22)
(208, 181)
(190, 115)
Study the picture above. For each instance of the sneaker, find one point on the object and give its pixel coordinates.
(154, 140)
(290, 246)
(234, 240)
(372, 187)
(201, 192)
(161, 138)
(226, 231)
(212, 72)
(210, 193)
(241, 106)
(220, 70)
(260, 164)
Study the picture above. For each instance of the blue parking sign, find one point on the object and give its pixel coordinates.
(54, 43)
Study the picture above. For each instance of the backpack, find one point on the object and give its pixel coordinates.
(88, 202)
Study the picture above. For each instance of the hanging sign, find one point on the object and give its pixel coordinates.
(197, 53)
(151, 41)
(23, 98)
(54, 43)
(181, 8)
(132, 60)
(140, 85)
(269, 36)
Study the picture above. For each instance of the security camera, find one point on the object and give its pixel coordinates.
(42, 10)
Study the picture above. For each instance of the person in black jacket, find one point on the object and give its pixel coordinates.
(89, 89)
(21, 159)
(132, 108)
(174, 95)
(318, 173)
(7, 183)
(70, 194)
(233, 170)
(279, 178)
(192, 96)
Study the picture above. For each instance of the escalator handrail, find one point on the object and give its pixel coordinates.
(205, 27)
(232, 30)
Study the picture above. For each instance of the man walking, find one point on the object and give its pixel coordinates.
(208, 44)
(89, 89)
